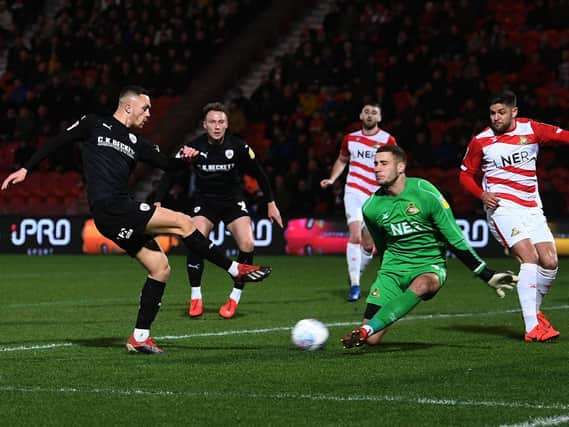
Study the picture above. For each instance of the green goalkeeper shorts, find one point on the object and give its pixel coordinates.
(390, 284)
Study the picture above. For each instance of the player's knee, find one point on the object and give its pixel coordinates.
(356, 239)
(549, 262)
(184, 223)
(426, 288)
(528, 257)
(163, 272)
(161, 269)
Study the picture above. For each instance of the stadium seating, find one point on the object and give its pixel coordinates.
(358, 65)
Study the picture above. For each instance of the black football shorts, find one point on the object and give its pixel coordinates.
(219, 209)
(123, 220)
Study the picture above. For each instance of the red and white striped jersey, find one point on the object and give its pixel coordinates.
(361, 150)
(508, 161)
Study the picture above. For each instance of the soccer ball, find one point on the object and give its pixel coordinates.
(309, 334)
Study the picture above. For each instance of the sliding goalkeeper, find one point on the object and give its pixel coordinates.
(412, 226)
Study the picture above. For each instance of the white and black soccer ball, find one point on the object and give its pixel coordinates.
(309, 334)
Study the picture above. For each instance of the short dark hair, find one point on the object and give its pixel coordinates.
(373, 104)
(396, 150)
(506, 97)
(133, 90)
(213, 106)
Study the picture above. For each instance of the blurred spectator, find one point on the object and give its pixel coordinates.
(22, 154)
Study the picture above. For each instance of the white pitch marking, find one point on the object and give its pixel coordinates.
(338, 324)
(287, 328)
(36, 347)
(293, 396)
(538, 422)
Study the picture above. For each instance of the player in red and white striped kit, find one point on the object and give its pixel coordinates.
(358, 151)
(506, 154)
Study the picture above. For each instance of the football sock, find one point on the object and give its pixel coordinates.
(196, 292)
(150, 301)
(235, 294)
(243, 258)
(394, 310)
(366, 259)
(206, 249)
(141, 334)
(354, 259)
(233, 269)
(194, 267)
(545, 279)
(527, 294)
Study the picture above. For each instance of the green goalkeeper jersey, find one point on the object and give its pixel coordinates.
(414, 228)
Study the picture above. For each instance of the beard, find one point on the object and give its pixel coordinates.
(500, 129)
(369, 125)
(388, 181)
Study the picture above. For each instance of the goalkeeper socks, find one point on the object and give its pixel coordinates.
(394, 310)
(194, 268)
(206, 249)
(354, 259)
(150, 301)
(366, 258)
(527, 294)
(545, 279)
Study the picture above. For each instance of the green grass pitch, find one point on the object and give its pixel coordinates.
(457, 360)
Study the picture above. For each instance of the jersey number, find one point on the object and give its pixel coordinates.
(243, 206)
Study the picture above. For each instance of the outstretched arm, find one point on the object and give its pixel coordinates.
(444, 220)
(75, 132)
(14, 178)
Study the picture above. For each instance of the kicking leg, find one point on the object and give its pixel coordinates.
(166, 221)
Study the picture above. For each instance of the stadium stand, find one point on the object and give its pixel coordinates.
(433, 81)
(431, 77)
(61, 64)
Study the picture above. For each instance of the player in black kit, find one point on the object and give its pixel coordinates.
(110, 151)
(219, 162)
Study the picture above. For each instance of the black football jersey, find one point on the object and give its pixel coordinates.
(219, 168)
(110, 152)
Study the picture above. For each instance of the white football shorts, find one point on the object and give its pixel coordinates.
(353, 203)
(509, 226)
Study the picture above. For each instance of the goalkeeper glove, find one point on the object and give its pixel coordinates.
(500, 281)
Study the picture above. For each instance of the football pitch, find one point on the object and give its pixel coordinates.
(457, 360)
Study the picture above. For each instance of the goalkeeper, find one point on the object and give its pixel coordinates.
(412, 225)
